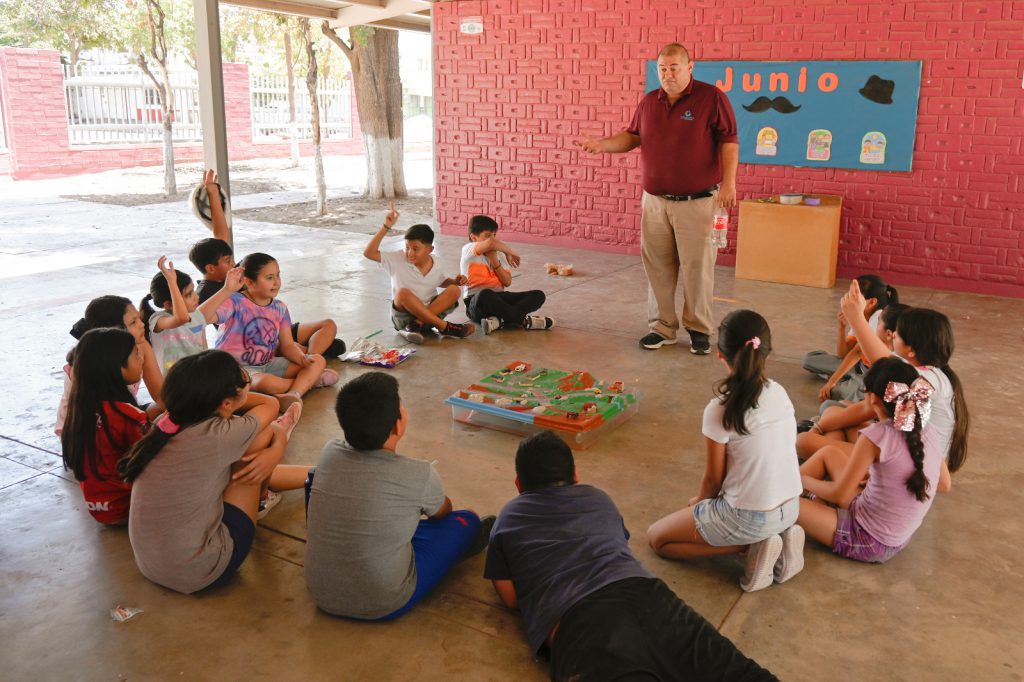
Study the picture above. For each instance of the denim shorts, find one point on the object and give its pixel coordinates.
(278, 367)
(721, 525)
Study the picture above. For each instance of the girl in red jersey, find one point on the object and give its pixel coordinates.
(103, 419)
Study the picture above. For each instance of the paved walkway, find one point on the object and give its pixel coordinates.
(946, 608)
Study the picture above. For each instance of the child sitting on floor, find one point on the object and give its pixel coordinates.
(844, 371)
(177, 327)
(196, 476)
(117, 312)
(749, 496)
(902, 458)
(559, 553)
(924, 339)
(255, 323)
(214, 257)
(487, 300)
(103, 419)
(368, 553)
(416, 305)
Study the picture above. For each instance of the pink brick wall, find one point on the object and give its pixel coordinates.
(509, 102)
(32, 97)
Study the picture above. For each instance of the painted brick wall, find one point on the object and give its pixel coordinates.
(32, 97)
(510, 101)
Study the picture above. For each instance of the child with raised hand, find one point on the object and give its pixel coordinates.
(255, 324)
(196, 476)
(924, 339)
(103, 419)
(177, 328)
(487, 301)
(416, 305)
(214, 257)
(117, 312)
(902, 457)
(845, 366)
(749, 496)
(840, 421)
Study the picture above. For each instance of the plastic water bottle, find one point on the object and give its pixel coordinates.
(720, 228)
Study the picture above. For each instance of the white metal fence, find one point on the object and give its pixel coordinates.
(120, 104)
(270, 117)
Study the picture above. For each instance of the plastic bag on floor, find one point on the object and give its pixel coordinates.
(367, 352)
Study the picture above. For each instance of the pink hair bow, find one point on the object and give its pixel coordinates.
(754, 341)
(165, 424)
(910, 400)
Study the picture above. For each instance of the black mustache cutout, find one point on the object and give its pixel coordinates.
(779, 104)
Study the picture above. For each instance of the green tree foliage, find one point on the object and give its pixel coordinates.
(69, 26)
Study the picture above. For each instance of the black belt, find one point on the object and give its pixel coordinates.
(709, 192)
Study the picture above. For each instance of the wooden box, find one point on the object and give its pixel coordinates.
(790, 244)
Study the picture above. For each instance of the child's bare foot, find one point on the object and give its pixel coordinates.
(290, 419)
(288, 399)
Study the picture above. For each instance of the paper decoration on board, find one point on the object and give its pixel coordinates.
(878, 89)
(819, 145)
(767, 142)
(471, 25)
(872, 148)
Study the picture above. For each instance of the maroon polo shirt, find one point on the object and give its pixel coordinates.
(679, 144)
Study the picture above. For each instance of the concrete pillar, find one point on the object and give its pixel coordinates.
(211, 94)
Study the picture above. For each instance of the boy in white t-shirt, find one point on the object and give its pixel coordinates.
(417, 305)
(487, 301)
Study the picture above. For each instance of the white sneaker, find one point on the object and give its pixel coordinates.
(761, 558)
(268, 503)
(791, 560)
(538, 322)
(412, 333)
(490, 324)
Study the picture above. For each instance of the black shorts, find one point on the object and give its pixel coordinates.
(243, 532)
(295, 332)
(638, 629)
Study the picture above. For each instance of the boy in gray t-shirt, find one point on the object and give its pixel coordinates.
(369, 555)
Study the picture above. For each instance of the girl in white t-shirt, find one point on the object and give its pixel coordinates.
(924, 339)
(749, 496)
(175, 322)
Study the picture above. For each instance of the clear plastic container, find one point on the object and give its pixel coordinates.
(720, 228)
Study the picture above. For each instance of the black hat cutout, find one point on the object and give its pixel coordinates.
(878, 90)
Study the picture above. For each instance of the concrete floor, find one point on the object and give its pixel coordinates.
(948, 607)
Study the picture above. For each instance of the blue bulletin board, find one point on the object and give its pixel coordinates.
(819, 114)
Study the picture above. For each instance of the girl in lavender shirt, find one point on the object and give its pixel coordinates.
(900, 455)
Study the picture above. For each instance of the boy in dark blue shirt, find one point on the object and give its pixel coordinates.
(559, 551)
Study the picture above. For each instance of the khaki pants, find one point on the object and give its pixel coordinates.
(674, 235)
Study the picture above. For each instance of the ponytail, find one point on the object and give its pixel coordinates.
(146, 311)
(961, 422)
(745, 341)
(873, 286)
(142, 453)
(918, 483)
(741, 389)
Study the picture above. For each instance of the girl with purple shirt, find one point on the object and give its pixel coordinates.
(902, 459)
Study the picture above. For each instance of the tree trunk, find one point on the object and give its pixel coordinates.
(170, 184)
(373, 56)
(289, 61)
(314, 115)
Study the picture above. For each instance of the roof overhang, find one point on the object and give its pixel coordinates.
(402, 15)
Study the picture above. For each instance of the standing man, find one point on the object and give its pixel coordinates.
(689, 151)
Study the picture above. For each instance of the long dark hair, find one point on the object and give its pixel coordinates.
(194, 388)
(159, 294)
(891, 315)
(105, 311)
(873, 286)
(745, 341)
(96, 379)
(930, 335)
(876, 380)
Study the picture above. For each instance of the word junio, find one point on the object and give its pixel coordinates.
(778, 81)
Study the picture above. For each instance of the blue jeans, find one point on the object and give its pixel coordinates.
(437, 545)
(722, 525)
